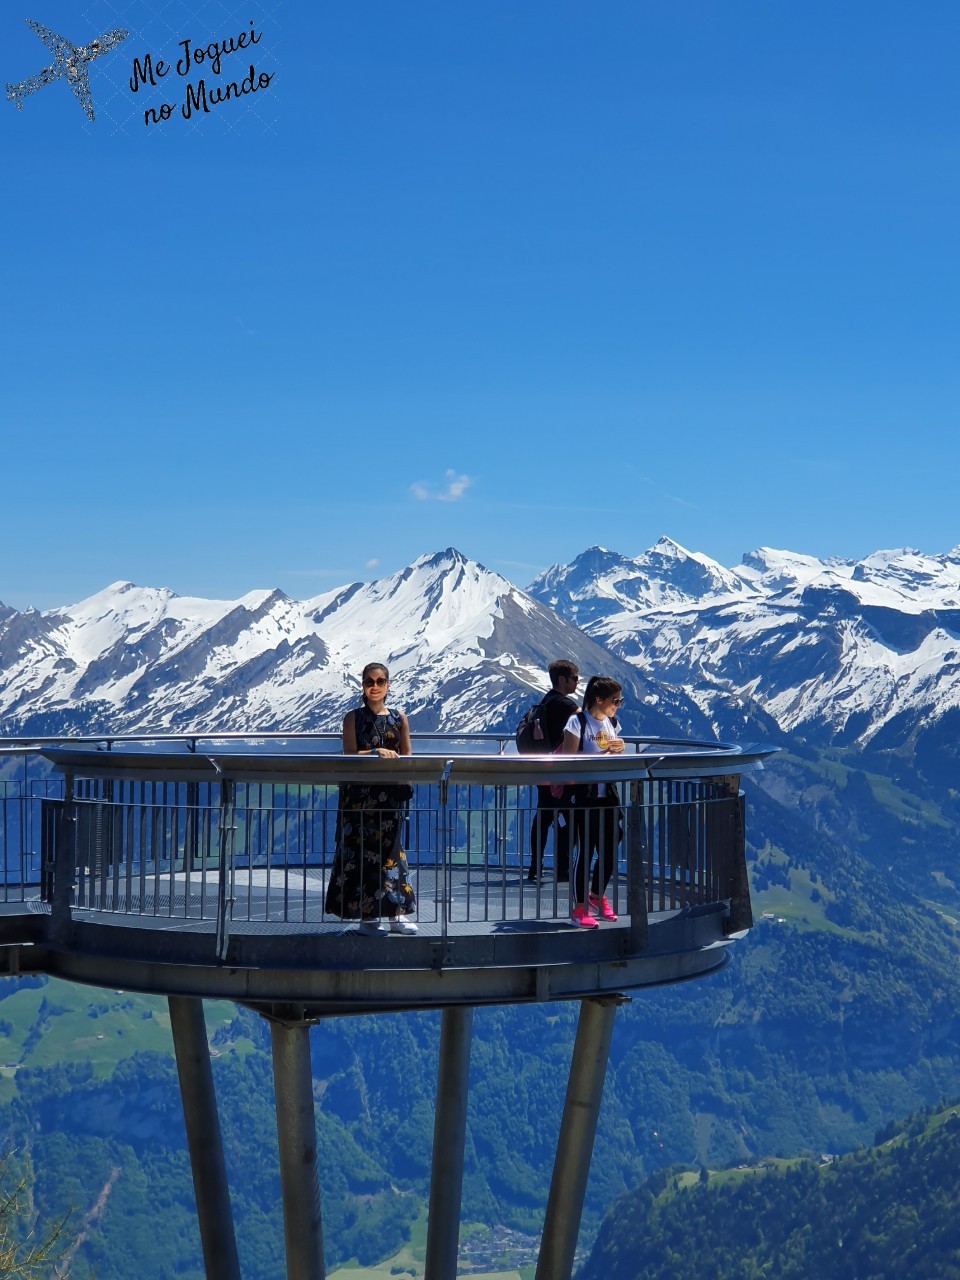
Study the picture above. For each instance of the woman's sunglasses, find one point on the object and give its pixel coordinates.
(370, 681)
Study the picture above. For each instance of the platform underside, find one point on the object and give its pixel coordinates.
(280, 953)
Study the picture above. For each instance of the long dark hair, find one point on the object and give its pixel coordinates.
(598, 689)
(372, 666)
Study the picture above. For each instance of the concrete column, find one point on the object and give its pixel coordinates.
(449, 1140)
(297, 1137)
(203, 1138)
(578, 1129)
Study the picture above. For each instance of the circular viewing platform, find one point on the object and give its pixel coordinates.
(200, 866)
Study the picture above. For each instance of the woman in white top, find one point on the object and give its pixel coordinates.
(597, 825)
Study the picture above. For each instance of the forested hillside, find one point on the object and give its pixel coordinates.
(888, 1212)
(816, 1035)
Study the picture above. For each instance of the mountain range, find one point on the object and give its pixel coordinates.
(855, 653)
(465, 647)
(851, 667)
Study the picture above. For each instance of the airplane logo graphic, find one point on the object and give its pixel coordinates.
(70, 61)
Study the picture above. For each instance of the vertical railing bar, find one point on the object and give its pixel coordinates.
(477, 843)
(253, 824)
(672, 853)
(696, 821)
(468, 854)
(5, 841)
(115, 849)
(294, 847)
(162, 873)
(706, 895)
(129, 845)
(206, 822)
(678, 846)
(119, 827)
(190, 848)
(106, 843)
(479, 854)
(662, 844)
(284, 867)
(500, 836)
(268, 853)
(165, 835)
(305, 823)
(443, 795)
(170, 842)
(271, 826)
(438, 836)
(672, 887)
(155, 844)
(485, 853)
(26, 821)
(225, 896)
(511, 801)
(501, 852)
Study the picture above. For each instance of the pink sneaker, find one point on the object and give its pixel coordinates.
(602, 907)
(582, 917)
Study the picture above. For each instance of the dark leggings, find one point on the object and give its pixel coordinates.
(597, 830)
(550, 813)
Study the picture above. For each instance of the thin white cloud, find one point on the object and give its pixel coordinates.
(682, 502)
(374, 563)
(455, 486)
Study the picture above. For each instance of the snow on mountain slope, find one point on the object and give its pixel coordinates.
(601, 583)
(842, 647)
(849, 651)
(465, 647)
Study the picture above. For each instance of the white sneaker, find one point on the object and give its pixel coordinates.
(400, 924)
(372, 928)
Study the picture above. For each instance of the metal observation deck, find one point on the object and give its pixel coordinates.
(195, 866)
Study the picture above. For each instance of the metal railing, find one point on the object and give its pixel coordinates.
(235, 833)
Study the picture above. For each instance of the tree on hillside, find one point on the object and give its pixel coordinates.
(24, 1251)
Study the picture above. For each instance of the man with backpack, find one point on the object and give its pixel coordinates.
(555, 709)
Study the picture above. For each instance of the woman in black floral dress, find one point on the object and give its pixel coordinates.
(370, 880)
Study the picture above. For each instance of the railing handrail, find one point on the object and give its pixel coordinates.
(15, 744)
(242, 867)
(651, 757)
(470, 768)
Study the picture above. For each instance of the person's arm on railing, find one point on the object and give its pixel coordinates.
(385, 753)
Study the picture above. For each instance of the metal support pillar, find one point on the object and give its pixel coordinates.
(203, 1138)
(449, 1140)
(297, 1136)
(578, 1129)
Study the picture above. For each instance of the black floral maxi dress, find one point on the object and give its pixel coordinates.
(370, 877)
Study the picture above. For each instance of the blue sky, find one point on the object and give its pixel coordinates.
(511, 276)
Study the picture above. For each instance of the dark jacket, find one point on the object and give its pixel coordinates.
(557, 709)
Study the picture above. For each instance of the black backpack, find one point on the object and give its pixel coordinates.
(531, 740)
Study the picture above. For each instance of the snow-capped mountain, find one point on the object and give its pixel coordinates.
(864, 652)
(465, 648)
